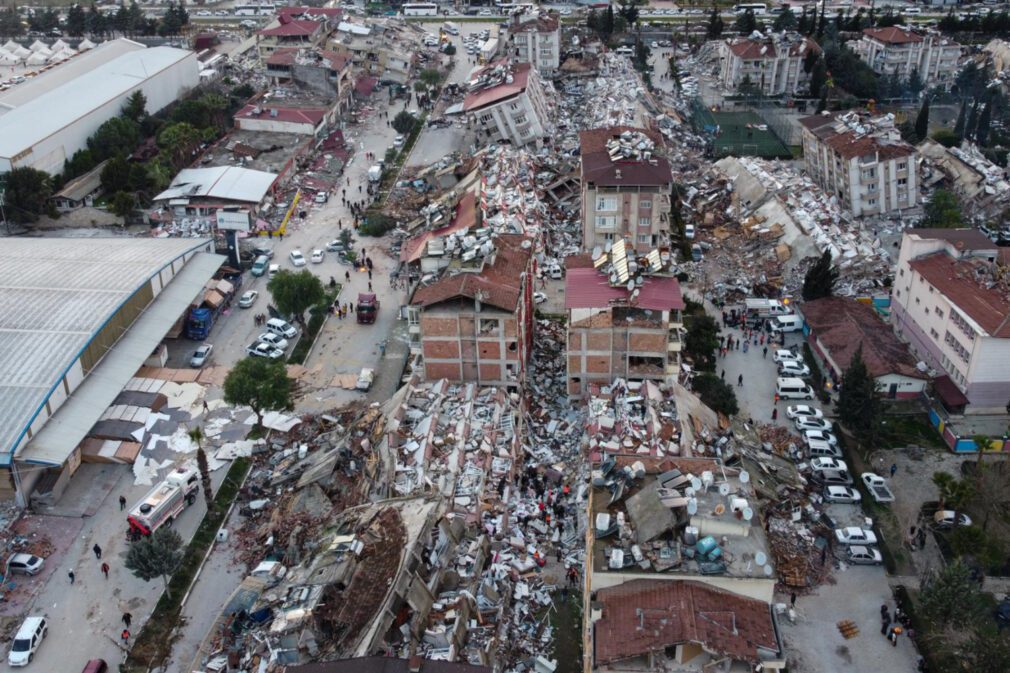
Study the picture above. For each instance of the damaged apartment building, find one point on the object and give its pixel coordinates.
(626, 188)
(624, 318)
(534, 38)
(386, 49)
(507, 101)
(862, 160)
(325, 72)
(773, 65)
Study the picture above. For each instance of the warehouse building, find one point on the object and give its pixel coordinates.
(81, 316)
(46, 130)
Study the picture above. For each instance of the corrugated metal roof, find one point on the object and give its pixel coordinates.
(72, 422)
(55, 294)
(38, 119)
(220, 182)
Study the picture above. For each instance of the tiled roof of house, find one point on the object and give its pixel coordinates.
(291, 28)
(588, 288)
(643, 616)
(598, 168)
(499, 281)
(892, 35)
(481, 98)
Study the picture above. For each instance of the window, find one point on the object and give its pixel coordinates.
(485, 118)
(956, 346)
(645, 204)
(872, 186)
(606, 203)
(956, 318)
(645, 221)
(869, 173)
(872, 202)
(488, 327)
(902, 165)
(520, 120)
(939, 312)
(902, 181)
(644, 238)
(413, 316)
(933, 333)
(606, 221)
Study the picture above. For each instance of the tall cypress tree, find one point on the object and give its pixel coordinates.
(984, 119)
(820, 279)
(922, 121)
(961, 119)
(858, 405)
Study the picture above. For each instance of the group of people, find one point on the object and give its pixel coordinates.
(893, 628)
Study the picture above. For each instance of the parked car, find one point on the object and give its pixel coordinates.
(274, 340)
(274, 270)
(263, 350)
(398, 141)
(248, 298)
(26, 564)
(336, 245)
(842, 494)
(860, 555)
(855, 535)
(793, 368)
(688, 231)
(297, 258)
(539, 297)
(200, 356)
(877, 486)
(27, 640)
(832, 478)
(803, 410)
(820, 436)
(944, 518)
(321, 197)
(783, 354)
(317, 256)
(821, 464)
(804, 423)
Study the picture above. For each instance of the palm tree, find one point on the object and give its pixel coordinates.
(196, 434)
(954, 493)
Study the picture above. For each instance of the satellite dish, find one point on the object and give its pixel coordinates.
(744, 476)
(692, 506)
(613, 278)
(748, 514)
(631, 285)
(689, 492)
(768, 570)
(609, 246)
(720, 509)
(695, 483)
(597, 251)
(724, 489)
(760, 558)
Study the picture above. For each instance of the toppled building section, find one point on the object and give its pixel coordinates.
(981, 185)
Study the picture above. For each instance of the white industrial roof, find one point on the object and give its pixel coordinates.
(220, 182)
(55, 294)
(28, 124)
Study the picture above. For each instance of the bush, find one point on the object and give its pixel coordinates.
(376, 224)
(945, 137)
(716, 393)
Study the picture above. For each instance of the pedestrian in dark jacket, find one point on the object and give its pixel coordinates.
(97, 550)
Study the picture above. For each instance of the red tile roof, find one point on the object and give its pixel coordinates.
(598, 169)
(957, 280)
(283, 56)
(849, 144)
(499, 281)
(336, 61)
(464, 218)
(843, 325)
(672, 612)
(292, 28)
(533, 24)
(753, 50)
(481, 98)
(284, 114)
(892, 35)
(588, 288)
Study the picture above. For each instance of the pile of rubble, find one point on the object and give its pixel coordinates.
(643, 421)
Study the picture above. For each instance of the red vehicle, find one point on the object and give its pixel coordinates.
(164, 503)
(367, 307)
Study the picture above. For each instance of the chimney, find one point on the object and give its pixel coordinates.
(415, 664)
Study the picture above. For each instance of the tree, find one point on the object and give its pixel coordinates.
(118, 136)
(122, 204)
(404, 122)
(984, 121)
(858, 405)
(943, 211)
(261, 384)
(988, 650)
(972, 123)
(701, 341)
(294, 292)
(716, 393)
(922, 120)
(76, 21)
(196, 434)
(949, 596)
(430, 76)
(715, 24)
(135, 107)
(178, 141)
(961, 120)
(157, 555)
(785, 21)
(629, 13)
(915, 83)
(10, 22)
(818, 78)
(945, 137)
(243, 91)
(608, 23)
(746, 23)
(27, 194)
(820, 279)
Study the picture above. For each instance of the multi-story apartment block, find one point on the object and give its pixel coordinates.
(289, 32)
(476, 320)
(506, 102)
(622, 322)
(900, 51)
(625, 188)
(862, 160)
(536, 39)
(773, 65)
(324, 71)
(951, 303)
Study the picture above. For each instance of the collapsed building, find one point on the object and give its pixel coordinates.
(509, 101)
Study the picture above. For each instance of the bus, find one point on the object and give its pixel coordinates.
(420, 9)
(254, 9)
(758, 8)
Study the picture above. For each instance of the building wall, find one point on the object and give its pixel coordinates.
(521, 120)
(640, 214)
(460, 348)
(935, 58)
(543, 50)
(772, 76)
(267, 124)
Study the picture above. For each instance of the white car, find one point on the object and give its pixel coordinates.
(821, 464)
(792, 368)
(689, 231)
(539, 297)
(804, 423)
(398, 141)
(865, 556)
(248, 298)
(262, 350)
(855, 535)
(842, 494)
(273, 339)
(27, 641)
(317, 256)
(820, 436)
(782, 354)
(200, 356)
(945, 518)
(803, 410)
(26, 564)
(297, 258)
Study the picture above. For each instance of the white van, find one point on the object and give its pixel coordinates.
(819, 449)
(786, 323)
(281, 328)
(793, 389)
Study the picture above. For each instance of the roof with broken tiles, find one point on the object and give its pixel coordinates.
(623, 156)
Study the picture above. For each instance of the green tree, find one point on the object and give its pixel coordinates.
(295, 292)
(922, 120)
(116, 176)
(820, 279)
(431, 77)
(10, 22)
(701, 341)
(118, 136)
(404, 122)
(915, 83)
(122, 204)
(715, 24)
(608, 24)
(943, 211)
(786, 20)
(818, 78)
(196, 434)
(243, 91)
(945, 137)
(261, 384)
(954, 493)
(76, 21)
(858, 405)
(949, 596)
(972, 123)
(135, 107)
(157, 555)
(988, 651)
(178, 142)
(629, 12)
(715, 393)
(27, 193)
(746, 23)
(961, 120)
(984, 121)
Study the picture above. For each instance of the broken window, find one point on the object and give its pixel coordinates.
(489, 327)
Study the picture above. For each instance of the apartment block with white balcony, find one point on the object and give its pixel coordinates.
(862, 160)
(506, 102)
(900, 52)
(534, 38)
(774, 64)
(950, 303)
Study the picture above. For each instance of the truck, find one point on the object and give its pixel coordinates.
(368, 306)
(877, 487)
(766, 308)
(199, 323)
(450, 28)
(375, 173)
(163, 503)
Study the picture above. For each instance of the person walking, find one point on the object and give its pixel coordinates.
(775, 414)
(105, 570)
(125, 636)
(122, 503)
(369, 286)
(722, 374)
(764, 352)
(739, 381)
(71, 575)
(894, 468)
(127, 618)
(97, 550)
(792, 600)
